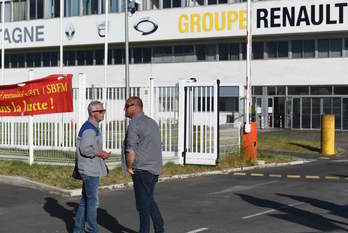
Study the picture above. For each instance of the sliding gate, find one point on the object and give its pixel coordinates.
(199, 119)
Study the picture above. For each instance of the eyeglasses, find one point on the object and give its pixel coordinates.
(100, 111)
(128, 105)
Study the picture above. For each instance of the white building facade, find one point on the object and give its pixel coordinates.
(300, 51)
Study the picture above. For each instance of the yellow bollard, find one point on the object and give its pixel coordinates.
(328, 134)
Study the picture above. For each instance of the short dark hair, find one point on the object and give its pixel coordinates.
(137, 101)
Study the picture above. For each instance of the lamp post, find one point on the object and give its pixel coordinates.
(127, 90)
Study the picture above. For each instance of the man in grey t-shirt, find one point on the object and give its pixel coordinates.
(143, 150)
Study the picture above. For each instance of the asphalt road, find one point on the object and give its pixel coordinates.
(288, 203)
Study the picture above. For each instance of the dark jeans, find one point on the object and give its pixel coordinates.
(144, 186)
(88, 204)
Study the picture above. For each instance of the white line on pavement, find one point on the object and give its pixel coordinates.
(238, 188)
(198, 230)
(271, 210)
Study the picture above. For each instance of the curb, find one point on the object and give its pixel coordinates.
(24, 182)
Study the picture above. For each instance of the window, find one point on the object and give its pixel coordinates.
(283, 49)
(229, 51)
(281, 90)
(308, 49)
(167, 4)
(346, 47)
(14, 60)
(19, 10)
(340, 90)
(297, 48)
(7, 11)
(323, 48)
(72, 7)
(176, 3)
(243, 50)
(162, 54)
(183, 53)
(137, 55)
(110, 61)
(234, 51)
(277, 49)
(258, 50)
(212, 2)
(36, 9)
(298, 90)
(271, 90)
(229, 99)
(90, 7)
(33, 60)
(206, 52)
(84, 57)
(69, 58)
(321, 90)
(257, 90)
(146, 55)
(7, 61)
(114, 6)
(224, 52)
(336, 48)
(271, 49)
(119, 56)
(154, 4)
(56, 4)
(52, 8)
(99, 56)
(50, 59)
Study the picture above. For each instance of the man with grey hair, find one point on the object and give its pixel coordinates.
(91, 165)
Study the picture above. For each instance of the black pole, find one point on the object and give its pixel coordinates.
(218, 120)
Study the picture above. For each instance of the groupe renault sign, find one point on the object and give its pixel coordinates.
(213, 21)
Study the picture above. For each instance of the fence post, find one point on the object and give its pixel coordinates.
(82, 100)
(30, 129)
(181, 122)
(151, 98)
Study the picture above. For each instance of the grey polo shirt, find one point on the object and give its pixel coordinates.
(144, 138)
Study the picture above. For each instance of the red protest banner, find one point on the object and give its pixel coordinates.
(52, 94)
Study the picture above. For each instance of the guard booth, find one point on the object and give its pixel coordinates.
(198, 122)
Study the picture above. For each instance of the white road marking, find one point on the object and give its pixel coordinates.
(198, 230)
(271, 210)
(238, 188)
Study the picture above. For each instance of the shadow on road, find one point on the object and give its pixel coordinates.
(105, 220)
(295, 215)
(335, 209)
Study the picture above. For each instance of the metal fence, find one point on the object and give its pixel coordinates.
(54, 135)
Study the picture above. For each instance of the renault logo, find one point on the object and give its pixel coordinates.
(69, 31)
(145, 26)
(101, 28)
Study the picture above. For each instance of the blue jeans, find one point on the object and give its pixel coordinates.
(144, 186)
(90, 199)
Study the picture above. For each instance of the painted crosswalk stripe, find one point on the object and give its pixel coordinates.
(293, 176)
(332, 177)
(257, 174)
(313, 177)
(198, 230)
(275, 175)
(239, 174)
